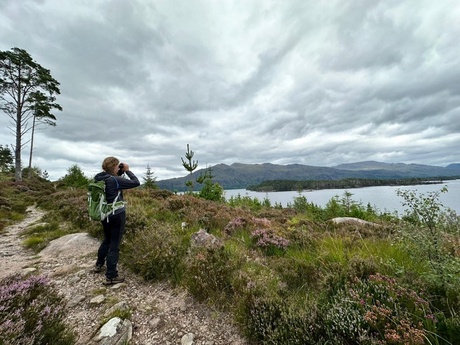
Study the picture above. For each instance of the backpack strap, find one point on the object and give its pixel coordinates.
(118, 185)
(116, 198)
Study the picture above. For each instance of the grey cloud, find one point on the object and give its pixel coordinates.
(284, 82)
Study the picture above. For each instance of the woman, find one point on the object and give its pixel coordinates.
(114, 224)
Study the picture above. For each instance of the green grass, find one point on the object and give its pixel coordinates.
(39, 236)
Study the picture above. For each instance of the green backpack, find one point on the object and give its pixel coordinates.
(98, 208)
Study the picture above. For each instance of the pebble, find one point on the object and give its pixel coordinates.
(97, 300)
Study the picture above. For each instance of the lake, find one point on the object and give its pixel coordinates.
(383, 198)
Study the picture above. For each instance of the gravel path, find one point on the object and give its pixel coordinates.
(160, 314)
(14, 257)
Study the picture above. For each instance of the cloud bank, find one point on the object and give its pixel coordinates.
(309, 82)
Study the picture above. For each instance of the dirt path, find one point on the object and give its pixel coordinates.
(160, 314)
(14, 257)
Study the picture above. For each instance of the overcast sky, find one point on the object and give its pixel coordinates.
(314, 82)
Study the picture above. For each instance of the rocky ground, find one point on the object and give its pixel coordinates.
(159, 314)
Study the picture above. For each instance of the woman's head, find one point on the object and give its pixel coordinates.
(109, 164)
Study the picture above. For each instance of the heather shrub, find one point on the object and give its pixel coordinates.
(302, 233)
(272, 319)
(254, 281)
(269, 314)
(14, 200)
(69, 205)
(20, 206)
(298, 323)
(236, 224)
(156, 252)
(200, 213)
(158, 204)
(209, 274)
(137, 220)
(362, 268)
(31, 312)
(269, 242)
(378, 310)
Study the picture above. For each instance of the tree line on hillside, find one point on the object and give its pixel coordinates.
(293, 185)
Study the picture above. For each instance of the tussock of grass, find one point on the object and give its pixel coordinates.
(39, 236)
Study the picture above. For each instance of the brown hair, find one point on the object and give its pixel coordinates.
(109, 164)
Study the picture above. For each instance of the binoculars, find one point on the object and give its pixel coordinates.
(120, 169)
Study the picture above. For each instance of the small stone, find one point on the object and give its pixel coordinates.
(28, 270)
(74, 280)
(118, 286)
(110, 328)
(75, 300)
(155, 323)
(121, 306)
(187, 339)
(203, 239)
(62, 270)
(98, 299)
(115, 331)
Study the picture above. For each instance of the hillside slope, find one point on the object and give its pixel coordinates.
(238, 175)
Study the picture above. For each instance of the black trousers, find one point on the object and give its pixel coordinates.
(110, 247)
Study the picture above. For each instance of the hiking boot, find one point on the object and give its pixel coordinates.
(113, 281)
(96, 269)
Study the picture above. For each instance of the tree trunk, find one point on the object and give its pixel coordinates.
(31, 147)
(17, 149)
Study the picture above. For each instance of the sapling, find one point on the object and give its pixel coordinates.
(189, 165)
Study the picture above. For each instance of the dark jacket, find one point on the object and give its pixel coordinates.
(112, 187)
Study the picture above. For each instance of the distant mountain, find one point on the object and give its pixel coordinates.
(238, 175)
(412, 170)
(453, 166)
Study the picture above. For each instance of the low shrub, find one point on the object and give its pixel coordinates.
(268, 314)
(449, 327)
(236, 224)
(379, 310)
(269, 241)
(298, 323)
(156, 252)
(31, 312)
(209, 274)
(200, 213)
(69, 205)
(299, 273)
(254, 282)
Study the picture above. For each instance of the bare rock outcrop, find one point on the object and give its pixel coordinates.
(353, 221)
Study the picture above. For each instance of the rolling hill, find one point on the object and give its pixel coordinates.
(239, 176)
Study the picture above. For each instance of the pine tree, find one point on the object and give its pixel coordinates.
(27, 93)
(189, 165)
(149, 179)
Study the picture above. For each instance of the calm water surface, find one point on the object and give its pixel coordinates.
(382, 198)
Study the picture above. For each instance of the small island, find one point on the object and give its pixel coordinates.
(347, 183)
